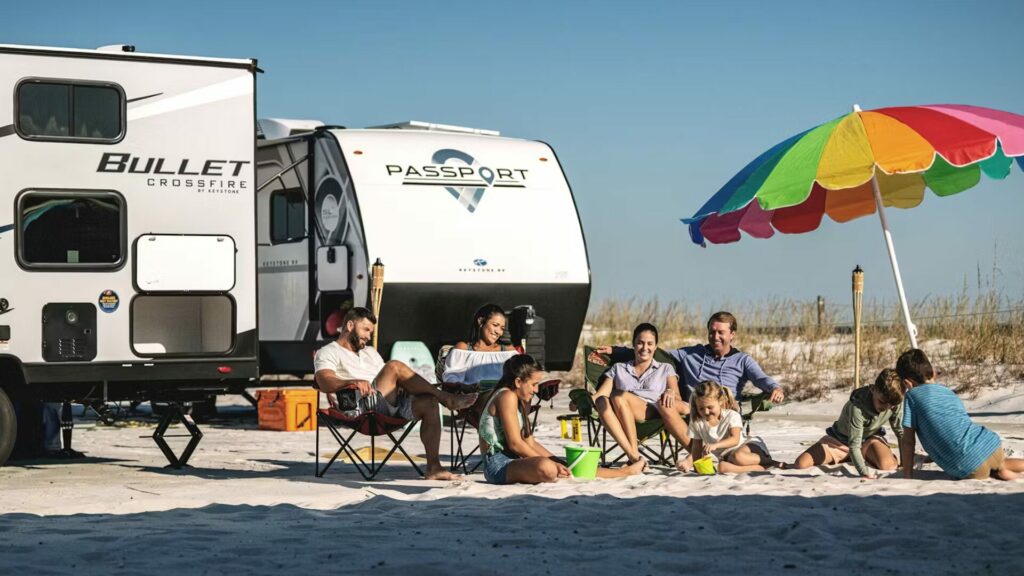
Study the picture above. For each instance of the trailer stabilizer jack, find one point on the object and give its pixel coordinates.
(174, 412)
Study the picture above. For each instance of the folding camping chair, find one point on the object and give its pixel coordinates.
(749, 405)
(370, 424)
(754, 403)
(459, 420)
(653, 441)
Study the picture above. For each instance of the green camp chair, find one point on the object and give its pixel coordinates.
(653, 429)
(652, 439)
(749, 403)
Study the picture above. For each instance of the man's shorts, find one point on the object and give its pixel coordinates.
(376, 402)
(990, 465)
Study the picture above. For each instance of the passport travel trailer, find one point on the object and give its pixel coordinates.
(458, 216)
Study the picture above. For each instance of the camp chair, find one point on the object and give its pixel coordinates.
(751, 404)
(370, 424)
(652, 440)
(459, 420)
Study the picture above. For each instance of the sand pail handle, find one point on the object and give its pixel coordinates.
(577, 460)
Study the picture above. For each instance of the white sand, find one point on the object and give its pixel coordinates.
(252, 505)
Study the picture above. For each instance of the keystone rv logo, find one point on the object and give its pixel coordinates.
(461, 175)
(209, 176)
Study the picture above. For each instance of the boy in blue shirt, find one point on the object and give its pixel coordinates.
(960, 447)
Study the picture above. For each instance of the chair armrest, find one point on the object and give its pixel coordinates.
(584, 404)
(459, 388)
(758, 403)
(548, 390)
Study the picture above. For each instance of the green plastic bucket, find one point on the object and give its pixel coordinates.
(582, 461)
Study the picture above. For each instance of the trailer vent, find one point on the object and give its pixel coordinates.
(71, 348)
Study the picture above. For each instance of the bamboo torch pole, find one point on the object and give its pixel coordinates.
(858, 306)
(376, 294)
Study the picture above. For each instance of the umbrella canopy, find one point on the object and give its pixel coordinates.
(832, 169)
(858, 164)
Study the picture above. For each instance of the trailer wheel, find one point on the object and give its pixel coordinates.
(8, 427)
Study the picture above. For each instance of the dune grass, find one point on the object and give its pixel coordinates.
(974, 341)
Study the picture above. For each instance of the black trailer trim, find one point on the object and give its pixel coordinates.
(141, 372)
(313, 309)
(440, 313)
(130, 100)
(251, 64)
(355, 196)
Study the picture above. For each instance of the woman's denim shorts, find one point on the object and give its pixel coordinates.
(496, 468)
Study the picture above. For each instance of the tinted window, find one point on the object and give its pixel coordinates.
(68, 229)
(70, 111)
(44, 109)
(287, 216)
(97, 112)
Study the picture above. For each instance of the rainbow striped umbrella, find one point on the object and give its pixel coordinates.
(861, 163)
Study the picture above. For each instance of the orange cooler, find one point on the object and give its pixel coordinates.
(288, 409)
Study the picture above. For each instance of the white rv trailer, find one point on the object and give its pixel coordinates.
(127, 226)
(459, 217)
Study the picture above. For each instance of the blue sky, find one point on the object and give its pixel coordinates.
(651, 106)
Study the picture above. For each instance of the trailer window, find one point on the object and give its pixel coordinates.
(287, 216)
(70, 111)
(71, 230)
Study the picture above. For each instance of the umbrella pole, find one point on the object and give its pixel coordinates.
(858, 306)
(911, 329)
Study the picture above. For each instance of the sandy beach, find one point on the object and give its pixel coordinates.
(251, 504)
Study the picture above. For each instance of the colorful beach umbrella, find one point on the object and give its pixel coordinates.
(859, 164)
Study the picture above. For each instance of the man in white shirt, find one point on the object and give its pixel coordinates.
(391, 388)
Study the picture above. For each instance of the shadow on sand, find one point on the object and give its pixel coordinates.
(935, 534)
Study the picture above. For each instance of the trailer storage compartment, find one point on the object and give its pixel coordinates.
(183, 325)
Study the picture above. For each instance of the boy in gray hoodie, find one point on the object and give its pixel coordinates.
(857, 435)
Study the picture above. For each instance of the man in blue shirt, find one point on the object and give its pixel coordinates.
(960, 447)
(717, 360)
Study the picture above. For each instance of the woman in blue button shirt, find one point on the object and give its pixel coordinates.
(642, 388)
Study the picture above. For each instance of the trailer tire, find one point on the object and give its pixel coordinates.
(8, 427)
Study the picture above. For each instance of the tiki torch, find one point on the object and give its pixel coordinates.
(376, 294)
(858, 306)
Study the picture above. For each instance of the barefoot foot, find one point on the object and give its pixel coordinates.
(638, 467)
(441, 474)
(1005, 474)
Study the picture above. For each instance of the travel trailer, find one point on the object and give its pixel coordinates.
(458, 217)
(127, 229)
